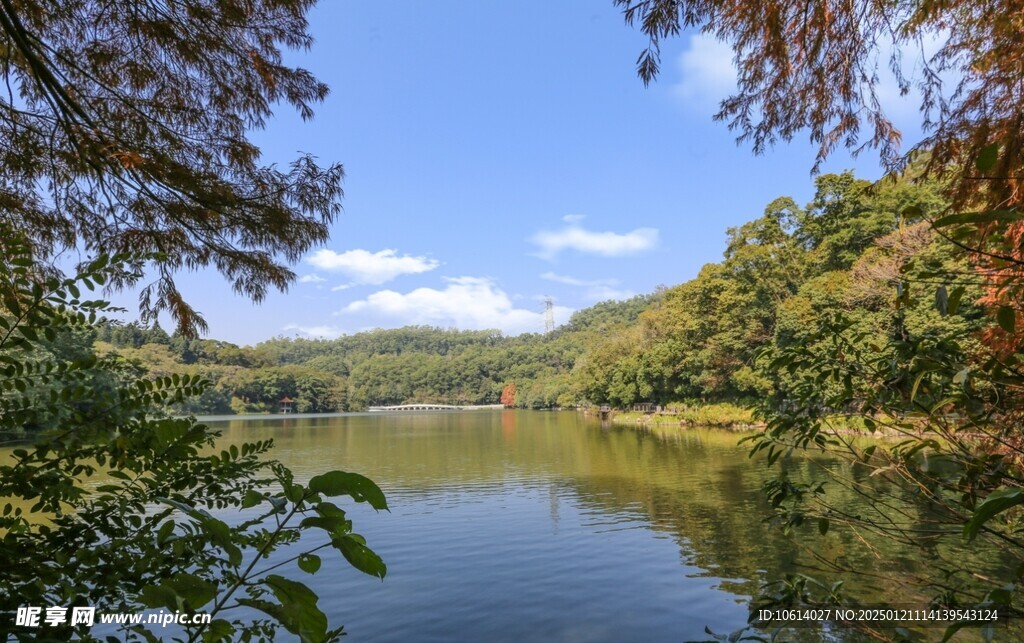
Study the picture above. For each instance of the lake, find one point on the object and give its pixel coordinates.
(519, 525)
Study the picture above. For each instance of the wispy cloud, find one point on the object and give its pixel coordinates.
(311, 279)
(465, 303)
(372, 268)
(594, 289)
(573, 281)
(706, 71)
(707, 75)
(316, 332)
(574, 236)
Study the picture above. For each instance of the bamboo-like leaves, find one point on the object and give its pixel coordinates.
(996, 503)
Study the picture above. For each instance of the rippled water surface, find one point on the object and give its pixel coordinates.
(547, 526)
(510, 526)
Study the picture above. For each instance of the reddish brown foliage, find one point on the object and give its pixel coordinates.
(508, 395)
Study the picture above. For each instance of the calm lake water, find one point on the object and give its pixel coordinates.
(548, 526)
(515, 525)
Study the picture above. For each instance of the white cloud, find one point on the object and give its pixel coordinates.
(373, 268)
(573, 281)
(316, 332)
(465, 303)
(311, 279)
(594, 289)
(707, 74)
(606, 244)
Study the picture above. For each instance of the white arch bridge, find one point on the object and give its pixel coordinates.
(434, 407)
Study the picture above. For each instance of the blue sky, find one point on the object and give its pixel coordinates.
(500, 152)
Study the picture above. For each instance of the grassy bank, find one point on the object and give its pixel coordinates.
(718, 415)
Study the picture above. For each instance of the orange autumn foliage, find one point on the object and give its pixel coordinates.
(508, 395)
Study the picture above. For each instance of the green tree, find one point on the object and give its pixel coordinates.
(128, 131)
(912, 368)
(110, 507)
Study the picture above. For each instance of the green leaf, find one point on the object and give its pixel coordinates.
(279, 613)
(822, 526)
(180, 506)
(1001, 595)
(159, 596)
(251, 499)
(182, 591)
(169, 432)
(327, 508)
(360, 556)
(989, 216)
(218, 630)
(996, 503)
(334, 525)
(294, 492)
(309, 563)
(954, 300)
(361, 488)
(303, 617)
(165, 531)
(220, 534)
(987, 157)
(1007, 318)
(917, 383)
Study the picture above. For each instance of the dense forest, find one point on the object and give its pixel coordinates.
(421, 364)
(700, 342)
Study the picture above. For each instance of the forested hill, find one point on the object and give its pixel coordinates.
(394, 366)
(844, 253)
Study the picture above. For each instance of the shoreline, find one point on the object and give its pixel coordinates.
(719, 416)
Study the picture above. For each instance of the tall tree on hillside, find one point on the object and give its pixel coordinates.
(912, 369)
(819, 68)
(124, 128)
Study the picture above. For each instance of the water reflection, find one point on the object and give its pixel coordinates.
(511, 525)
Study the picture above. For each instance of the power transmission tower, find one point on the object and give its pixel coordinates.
(549, 315)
